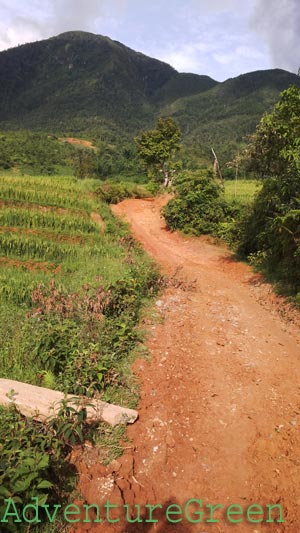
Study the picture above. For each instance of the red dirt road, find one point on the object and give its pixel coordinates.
(220, 397)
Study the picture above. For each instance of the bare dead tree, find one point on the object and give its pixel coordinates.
(217, 169)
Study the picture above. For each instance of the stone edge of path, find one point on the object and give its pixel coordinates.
(41, 403)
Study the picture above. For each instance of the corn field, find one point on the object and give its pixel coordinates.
(46, 232)
(242, 191)
(35, 220)
(33, 248)
(65, 185)
(17, 290)
(44, 197)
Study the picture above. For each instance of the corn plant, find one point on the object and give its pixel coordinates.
(37, 219)
(14, 245)
(44, 197)
(17, 291)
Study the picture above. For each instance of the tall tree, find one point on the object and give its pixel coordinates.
(271, 228)
(274, 147)
(157, 148)
(83, 162)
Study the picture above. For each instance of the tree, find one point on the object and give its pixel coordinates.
(83, 162)
(158, 147)
(274, 147)
(271, 228)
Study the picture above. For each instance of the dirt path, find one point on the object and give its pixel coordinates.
(220, 397)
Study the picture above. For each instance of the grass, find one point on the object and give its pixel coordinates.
(243, 191)
(71, 293)
(28, 260)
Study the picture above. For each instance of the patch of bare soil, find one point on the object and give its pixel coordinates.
(78, 142)
(220, 398)
(32, 266)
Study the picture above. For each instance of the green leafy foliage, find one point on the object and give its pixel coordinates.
(112, 193)
(68, 319)
(37, 153)
(84, 163)
(158, 147)
(269, 230)
(198, 206)
(32, 457)
(275, 146)
(116, 159)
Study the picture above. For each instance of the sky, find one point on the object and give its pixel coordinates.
(219, 38)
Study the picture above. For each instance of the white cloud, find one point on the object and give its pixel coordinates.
(186, 57)
(278, 23)
(238, 55)
(24, 22)
(182, 61)
(22, 31)
(217, 6)
(75, 14)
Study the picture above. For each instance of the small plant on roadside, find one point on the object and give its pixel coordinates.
(33, 455)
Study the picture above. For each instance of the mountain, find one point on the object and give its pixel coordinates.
(224, 115)
(78, 82)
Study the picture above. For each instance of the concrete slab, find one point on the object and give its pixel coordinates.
(41, 403)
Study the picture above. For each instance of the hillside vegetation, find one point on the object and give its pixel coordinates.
(263, 228)
(72, 285)
(224, 116)
(80, 83)
(55, 255)
(32, 152)
(81, 109)
(79, 80)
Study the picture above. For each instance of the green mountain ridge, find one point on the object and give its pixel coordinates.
(78, 82)
(225, 115)
(86, 79)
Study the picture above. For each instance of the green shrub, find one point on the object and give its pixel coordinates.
(269, 231)
(112, 193)
(33, 457)
(198, 206)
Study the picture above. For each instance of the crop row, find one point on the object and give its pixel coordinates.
(40, 183)
(44, 197)
(33, 219)
(17, 287)
(17, 293)
(33, 248)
